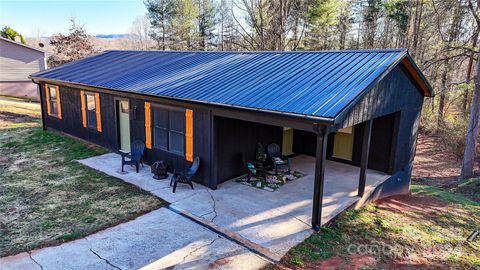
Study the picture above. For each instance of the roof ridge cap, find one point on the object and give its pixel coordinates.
(267, 52)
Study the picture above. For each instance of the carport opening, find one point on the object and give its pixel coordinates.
(234, 138)
(345, 145)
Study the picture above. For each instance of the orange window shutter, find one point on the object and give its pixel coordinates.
(148, 126)
(47, 98)
(97, 112)
(189, 134)
(59, 105)
(84, 109)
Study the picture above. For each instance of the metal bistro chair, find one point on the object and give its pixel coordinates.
(185, 178)
(278, 160)
(251, 169)
(134, 156)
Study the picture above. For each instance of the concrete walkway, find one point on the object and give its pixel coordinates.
(160, 239)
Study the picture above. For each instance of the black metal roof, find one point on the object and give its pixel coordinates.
(310, 83)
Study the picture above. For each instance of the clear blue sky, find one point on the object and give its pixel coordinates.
(49, 17)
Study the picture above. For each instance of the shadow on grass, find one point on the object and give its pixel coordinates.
(16, 118)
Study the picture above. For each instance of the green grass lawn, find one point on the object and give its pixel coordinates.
(46, 196)
(470, 188)
(426, 230)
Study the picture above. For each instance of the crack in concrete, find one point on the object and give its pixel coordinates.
(206, 214)
(214, 210)
(30, 255)
(198, 248)
(107, 261)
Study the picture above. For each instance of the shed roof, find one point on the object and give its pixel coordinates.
(22, 45)
(308, 83)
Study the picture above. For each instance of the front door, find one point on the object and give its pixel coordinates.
(124, 125)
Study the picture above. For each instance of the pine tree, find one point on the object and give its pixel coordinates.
(8, 32)
(206, 23)
(184, 25)
(160, 13)
(323, 17)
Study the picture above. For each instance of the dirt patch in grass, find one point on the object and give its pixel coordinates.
(425, 230)
(433, 161)
(46, 196)
(436, 166)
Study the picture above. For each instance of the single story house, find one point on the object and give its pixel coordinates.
(356, 107)
(17, 62)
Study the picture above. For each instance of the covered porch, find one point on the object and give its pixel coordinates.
(342, 166)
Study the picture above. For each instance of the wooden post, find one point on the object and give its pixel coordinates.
(364, 162)
(320, 157)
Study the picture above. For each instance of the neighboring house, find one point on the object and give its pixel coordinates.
(355, 107)
(17, 62)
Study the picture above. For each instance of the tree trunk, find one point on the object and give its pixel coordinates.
(472, 131)
(443, 91)
(416, 27)
(469, 74)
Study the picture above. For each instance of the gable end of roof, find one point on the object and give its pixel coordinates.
(418, 76)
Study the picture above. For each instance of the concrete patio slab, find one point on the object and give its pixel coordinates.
(216, 228)
(157, 240)
(275, 220)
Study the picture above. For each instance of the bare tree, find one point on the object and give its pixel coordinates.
(75, 45)
(140, 29)
(269, 23)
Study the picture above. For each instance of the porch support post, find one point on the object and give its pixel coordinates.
(321, 150)
(364, 161)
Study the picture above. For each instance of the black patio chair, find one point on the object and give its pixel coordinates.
(185, 178)
(135, 155)
(278, 160)
(251, 169)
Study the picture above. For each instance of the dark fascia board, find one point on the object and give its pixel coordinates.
(220, 109)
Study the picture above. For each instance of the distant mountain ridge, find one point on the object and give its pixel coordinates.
(110, 36)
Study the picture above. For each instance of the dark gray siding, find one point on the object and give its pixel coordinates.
(71, 123)
(396, 93)
(234, 137)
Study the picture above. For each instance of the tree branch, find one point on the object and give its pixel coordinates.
(474, 13)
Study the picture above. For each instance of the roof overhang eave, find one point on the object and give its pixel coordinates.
(417, 75)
